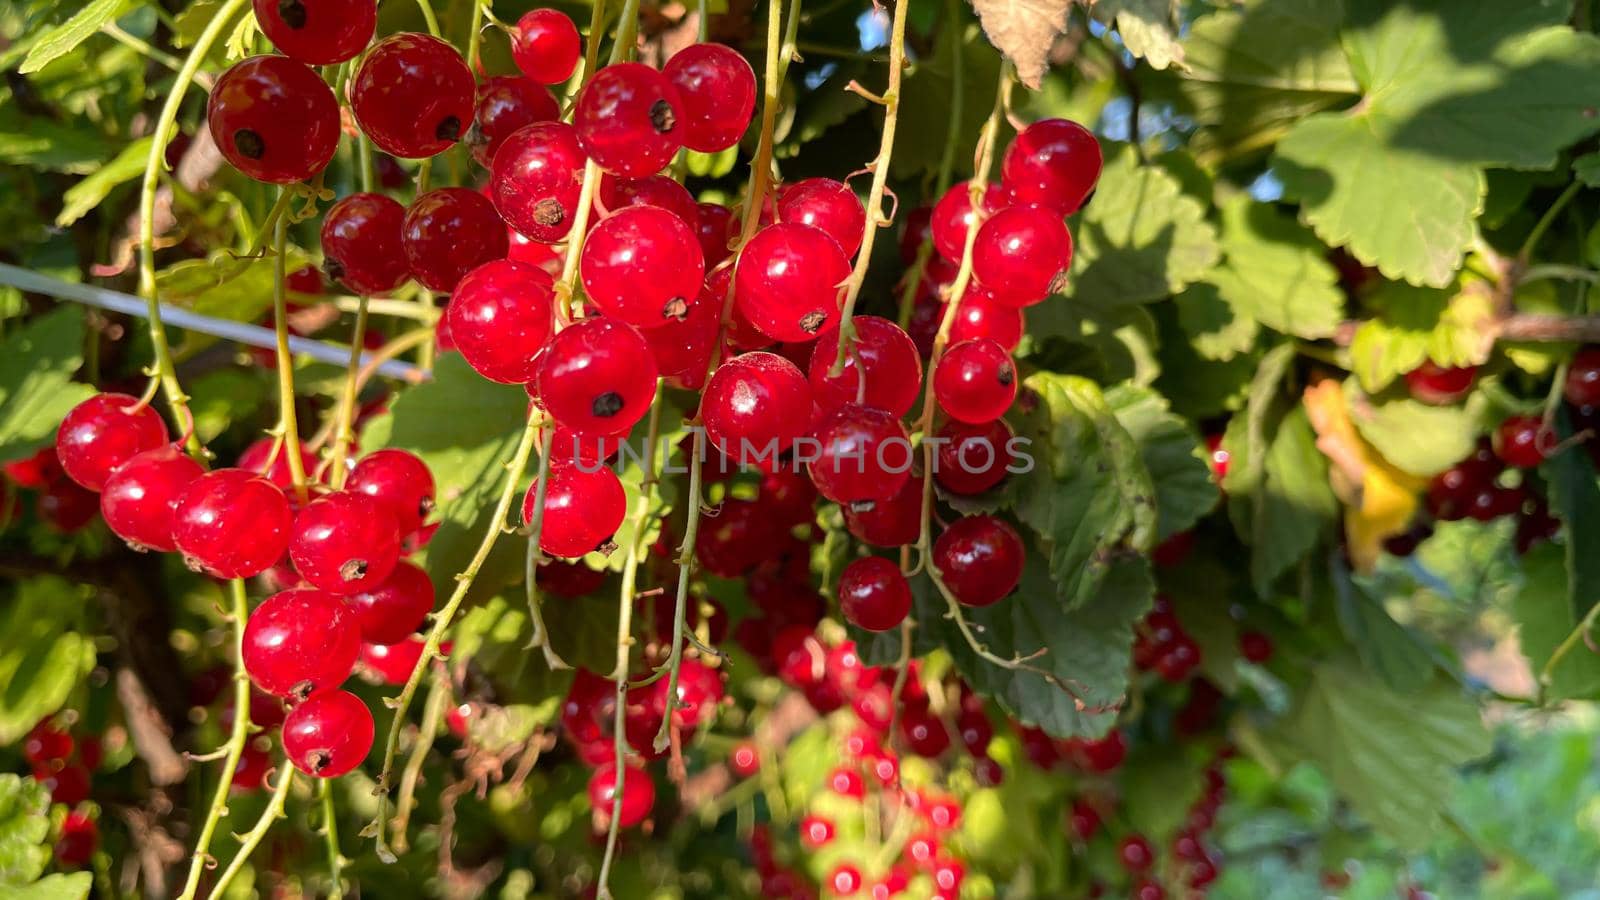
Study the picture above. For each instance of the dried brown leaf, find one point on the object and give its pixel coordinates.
(1024, 31)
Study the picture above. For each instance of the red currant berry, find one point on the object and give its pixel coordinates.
(45, 743)
(318, 32)
(1522, 441)
(972, 459)
(744, 760)
(530, 252)
(448, 233)
(80, 837)
(1053, 162)
(537, 176)
(274, 119)
(231, 523)
(255, 457)
(35, 471)
(141, 496)
(656, 190)
(1022, 254)
(815, 831)
(787, 281)
(980, 559)
(888, 523)
(399, 481)
(953, 216)
(755, 406)
(362, 246)
(980, 316)
(1135, 853)
(1438, 385)
(924, 734)
(627, 119)
(884, 352)
(345, 543)
(412, 95)
(583, 508)
(642, 265)
(828, 205)
(250, 774)
(394, 663)
(500, 319)
(597, 377)
(392, 611)
(1178, 659)
(733, 541)
(682, 347)
(844, 881)
(638, 794)
(975, 381)
(873, 594)
(717, 92)
(1583, 378)
(102, 433)
(299, 642)
(329, 734)
(546, 46)
(506, 104)
(66, 507)
(717, 227)
(68, 785)
(1145, 889)
(864, 453)
(1255, 646)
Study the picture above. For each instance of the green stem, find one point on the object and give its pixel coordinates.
(330, 834)
(627, 32)
(111, 30)
(475, 36)
(947, 160)
(1545, 221)
(541, 634)
(274, 810)
(685, 562)
(1559, 273)
(591, 52)
(428, 17)
(432, 707)
(345, 432)
(287, 419)
(1547, 673)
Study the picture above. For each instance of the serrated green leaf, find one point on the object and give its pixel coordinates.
(1199, 387)
(1149, 28)
(88, 193)
(1416, 437)
(1171, 451)
(36, 391)
(1544, 619)
(1414, 324)
(24, 828)
(1274, 272)
(1575, 499)
(61, 39)
(42, 658)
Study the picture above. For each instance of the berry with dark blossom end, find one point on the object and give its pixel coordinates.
(102, 433)
(583, 508)
(1440, 385)
(638, 794)
(140, 499)
(395, 609)
(828, 205)
(345, 543)
(299, 642)
(882, 353)
(230, 523)
(787, 281)
(546, 46)
(627, 118)
(1021, 255)
(500, 319)
(398, 480)
(329, 734)
(873, 594)
(863, 454)
(412, 95)
(597, 376)
(717, 92)
(642, 264)
(975, 381)
(1054, 162)
(979, 559)
(505, 105)
(682, 347)
(755, 405)
(273, 119)
(536, 180)
(362, 244)
(317, 32)
(448, 233)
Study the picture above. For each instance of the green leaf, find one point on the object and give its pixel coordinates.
(58, 887)
(61, 39)
(1417, 437)
(1274, 273)
(1141, 238)
(495, 637)
(1587, 168)
(1386, 648)
(927, 99)
(1171, 450)
(1544, 620)
(36, 390)
(41, 658)
(1288, 502)
(24, 829)
(1149, 28)
(1199, 387)
(1575, 498)
(1216, 328)
(1157, 801)
(1392, 755)
(59, 147)
(1415, 324)
(88, 193)
(219, 399)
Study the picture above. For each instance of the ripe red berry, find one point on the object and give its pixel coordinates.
(500, 319)
(274, 119)
(140, 498)
(597, 377)
(1053, 162)
(254, 460)
(1255, 646)
(398, 480)
(755, 406)
(627, 119)
(329, 734)
(883, 351)
(506, 104)
(787, 281)
(80, 837)
(1522, 441)
(923, 732)
(251, 773)
(102, 433)
(1179, 658)
(230, 523)
(1435, 384)
(873, 594)
(744, 760)
(299, 642)
(828, 205)
(953, 215)
(1145, 889)
(537, 177)
(45, 743)
(979, 558)
(981, 316)
(392, 611)
(345, 543)
(682, 348)
(66, 507)
(1135, 854)
(638, 794)
(888, 523)
(448, 233)
(844, 881)
(34, 471)
(642, 265)
(717, 227)
(412, 95)
(1583, 378)
(546, 46)
(733, 541)
(973, 458)
(864, 453)
(975, 381)
(717, 92)
(362, 247)
(815, 831)
(655, 190)
(1021, 254)
(317, 32)
(394, 663)
(583, 508)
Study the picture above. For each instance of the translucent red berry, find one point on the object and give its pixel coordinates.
(66, 507)
(828, 205)
(345, 543)
(682, 347)
(329, 734)
(972, 459)
(1522, 441)
(953, 215)
(979, 558)
(45, 743)
(717, 227)
(654, 190)
(981, 316)
(1135, 854)
(80, 837)
(642, 265)
(230, 523)
(583, 508)
(68, 785)
(888, 523)
(505, 105)
(638, 794)
(844, 880)
(392, 611)
(299, 642)
(546, 46)
(499, 319)
(398, 480)
(975, 381)
(274, 119)
(1255, 646)
(412, 95)
(140, 499)
(1021, 254)
(255, 458)
(448, 233)
(598, 376)
(873, 594)
(733, 541)
(102, 433)
(1053, 162)
(362, 246)
(317, 32)
(755, 406)
(863, 454)
(394, 663)
(537, 177)
(883, 351)
(627, 119)
(35, 470)
(1583, 378)
(717, 89)
(787, 281)
(1439, 385)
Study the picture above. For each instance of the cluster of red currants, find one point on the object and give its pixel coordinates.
(62, 503)
(64, 765)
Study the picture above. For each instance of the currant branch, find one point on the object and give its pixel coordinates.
(432, 707)
(257, 833)
(541, 635)
(330, 835)
(344, 432)
(288, 423)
